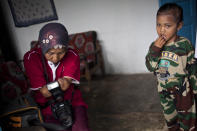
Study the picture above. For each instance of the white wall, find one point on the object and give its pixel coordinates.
(125, 27)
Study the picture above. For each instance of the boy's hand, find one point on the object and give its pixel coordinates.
(64, 83)
(159, 42)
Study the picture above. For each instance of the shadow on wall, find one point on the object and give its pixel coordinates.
(7, 45)
(108, 66)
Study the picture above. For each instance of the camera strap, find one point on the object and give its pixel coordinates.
(45, 69)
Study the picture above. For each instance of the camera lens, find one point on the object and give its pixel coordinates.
(59, 98)
(67, 122)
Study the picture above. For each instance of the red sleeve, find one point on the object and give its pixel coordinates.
(34, 69)
(72, 65)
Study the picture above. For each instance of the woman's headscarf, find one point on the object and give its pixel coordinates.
(53, 35)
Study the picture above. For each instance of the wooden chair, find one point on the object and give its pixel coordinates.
(90, 52)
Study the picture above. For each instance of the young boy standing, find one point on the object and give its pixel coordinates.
(171, 58)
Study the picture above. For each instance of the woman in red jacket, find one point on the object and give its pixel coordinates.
(59, 63)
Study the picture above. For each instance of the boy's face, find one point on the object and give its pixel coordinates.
(167, 27)
(55, 55)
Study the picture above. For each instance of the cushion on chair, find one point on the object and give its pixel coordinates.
(85, 44)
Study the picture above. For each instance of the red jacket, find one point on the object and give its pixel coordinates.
(69, 66)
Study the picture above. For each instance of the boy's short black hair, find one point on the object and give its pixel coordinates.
(172, 8)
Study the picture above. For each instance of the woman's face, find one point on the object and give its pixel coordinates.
(55, 55)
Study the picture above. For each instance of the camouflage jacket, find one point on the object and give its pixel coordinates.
(174, 64)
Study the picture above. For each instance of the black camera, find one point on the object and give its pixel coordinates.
(62, 109)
